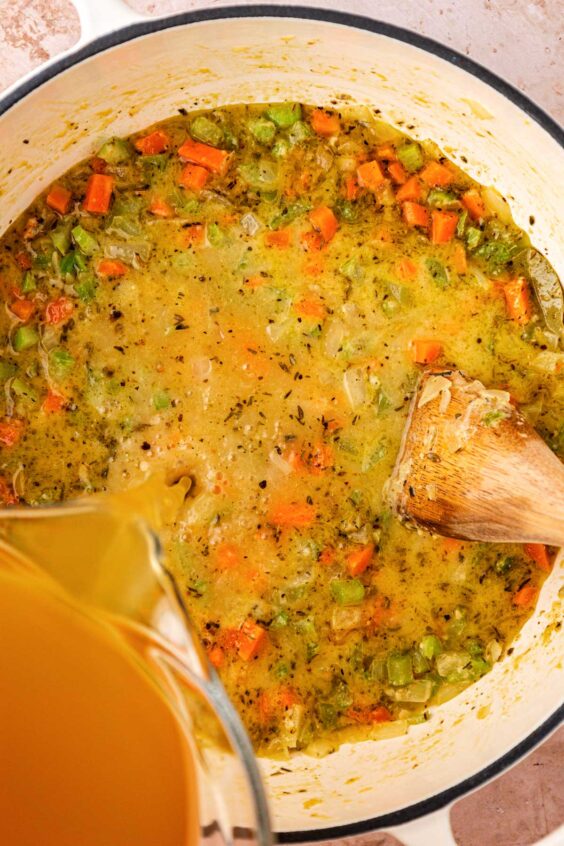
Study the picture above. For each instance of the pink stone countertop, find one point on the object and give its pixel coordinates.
(521, 40)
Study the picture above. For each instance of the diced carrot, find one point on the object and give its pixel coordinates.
(525, 597)
(359, 559)
(313, 268)
(384, 234)
(365, 716)
(517, 299)
(279, 238)
(292, 514)
(407, 268)
(325, 124)
(539, 553)
(443, 226)
(459, 261)
(370, 175)
(452, 544)
(98, 165)
(312, 241)
(327, 556)
(53, 402)
(426, 351)
(11, 432)
(303, 182)
(310, 308)
(397, 172)
(351, 188)
(387, 152)
(293, 457)
(202, 154)
(411, 190)
(153, 144)
(59, 198)
(320, 458)
(23, 260)
(23, 309)
(474, 203)
(228, 556)
(98, 193)
(195, 234)
(216, 656)
(324, 221)
(437, 175)
(7, 494)
(59, 310)
(252, 637)
(255, 281)
(160, 208)
(415, 215)
(111, 268)
(194, 177)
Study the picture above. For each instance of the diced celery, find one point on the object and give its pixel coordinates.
(327, 714)
(262, 175)
(438, 272)
(399, 668)
(383, 403)
(347, 591)
(430, 646)
(79, 262)
(420, 663)
(23, 390)
(342, 698)
(280, 148)
(67, 264)
(457, 623)
(85, 241)
(280, 621)
(449, 663)
(263, 130)
(284, 115)
(505, 563)
(216, 235)
(377, 670)
(25, 337)
(474, 647)
(347, 210)
(441, 199)
(418, 691)
(42, 261)
(473, 237)
(299, 132)
(204, 129)
(479, 667)
(159, 161)
(161, 400)
(281, 670)
(86, 287)
(411, 156)
(461, 225)
(61, 361)
(61, 237)
(7, 370)
(390, 306)
(401, 293)
(289, 214)
(115, 151)
(353, 270)
(28, 284)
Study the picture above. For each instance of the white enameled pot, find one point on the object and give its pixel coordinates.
(128, 72)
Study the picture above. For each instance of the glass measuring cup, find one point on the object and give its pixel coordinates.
(106, 558)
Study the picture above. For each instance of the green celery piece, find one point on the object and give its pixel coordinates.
(159, 161)
(372, 456)
(461, 225)
(347, 591)
(399, 668)
(216, 235)
(430, 646)
(352, 270)
(280, 148)
(42, 261)
(280, 621)
(79, 262)
(28, 284)
(420, 663)
(390, 306)
(479, 667)
(23, 390)
(161, 400)
(7, 370)
(261, 175)
(205, 130)
(473, 237)
(115, 151)
(457, 623)
(289, 214)
(263, 130)
(347, 210)
(383, 403)
(281, 670)
(505, 564)
(327, 714)
(25, 337)
(86, 287)
(67, 264)
(475, 648)
(342, 698)
(61, 237)
(299, 132)
(416, 692)
(442, 199)
(377, 670)
(496, 253)
(438, 272)
(61, 361)
(284, 115)
(411, 156)
(85, 241)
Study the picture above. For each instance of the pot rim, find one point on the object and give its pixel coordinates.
(525, 104)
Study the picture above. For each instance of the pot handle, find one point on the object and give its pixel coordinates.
(100, 17)
(431, 829)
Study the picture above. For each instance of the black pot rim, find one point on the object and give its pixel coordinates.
(146, 27)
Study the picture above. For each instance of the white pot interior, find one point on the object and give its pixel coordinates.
(259, 59)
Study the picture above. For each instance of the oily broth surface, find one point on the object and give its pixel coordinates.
(280, 377)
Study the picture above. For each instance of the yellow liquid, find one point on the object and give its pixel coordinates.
(90, 752)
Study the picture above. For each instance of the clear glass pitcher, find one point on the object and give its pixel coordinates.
(105, 554)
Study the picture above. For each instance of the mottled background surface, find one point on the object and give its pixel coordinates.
(523, 42)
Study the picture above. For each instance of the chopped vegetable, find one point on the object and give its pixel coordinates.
(324, 221)
(115, 151)
(410, 156)
(112, 268)
(59, 198)
(206, 130)
(399, 668)
(437, 175)
(59, 310)
(153, 144)
(475, 205)
(415, 214)
(443, 226)
(98, 193)
(525, 597)
(426, 352)
(517, 300)
(252, 638)
(194, 177)
(284, 115)
(85, 241)
(359, 559)
(370, 175)
(217, 161)
(324, 123)
(539, 553)
(24, 338)
(263, 129)
(347, 591)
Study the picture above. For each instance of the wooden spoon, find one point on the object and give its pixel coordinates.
(470, 466)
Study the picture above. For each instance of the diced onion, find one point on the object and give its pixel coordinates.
(334, 336)
(354, 383)
(492, 652)
(497, 204)
(346, 619)
(250, 224)
(279, 462)
(201, 367)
